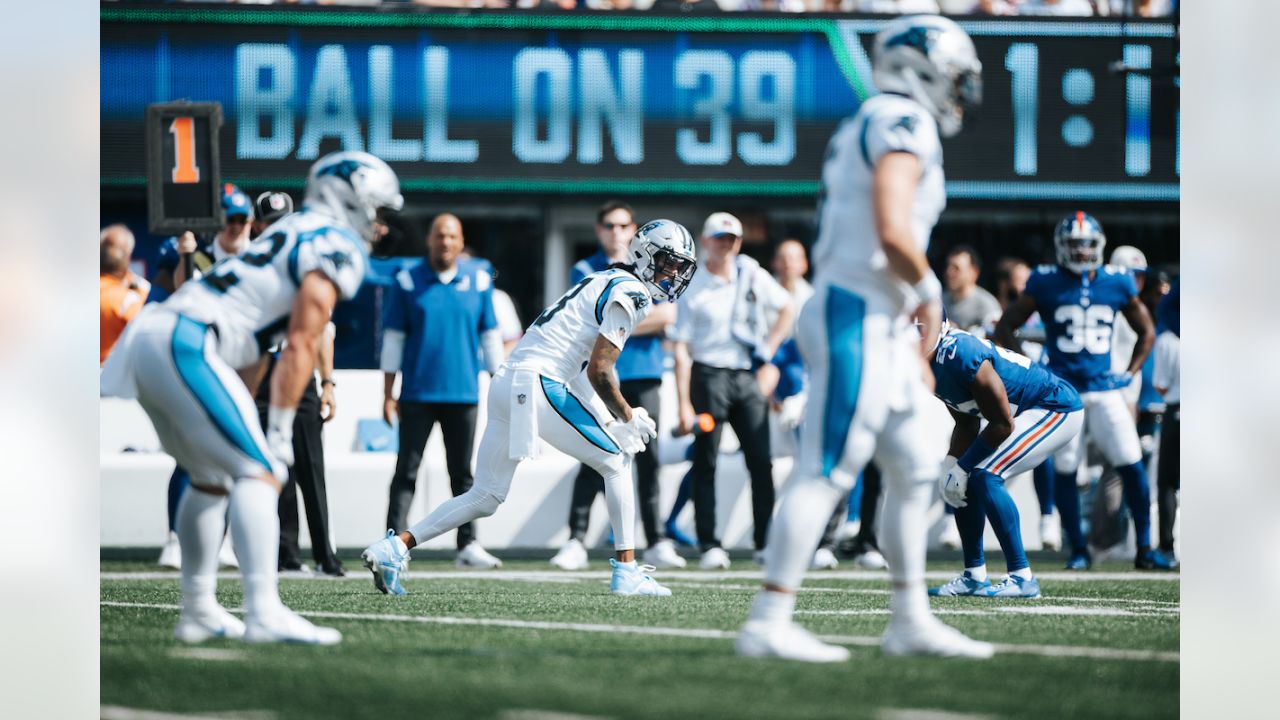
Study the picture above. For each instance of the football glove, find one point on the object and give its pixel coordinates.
(280, 433)
(635, 433)
(953, 485)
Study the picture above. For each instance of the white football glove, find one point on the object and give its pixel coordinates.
(634, 434)
(280, 433)
(953, 485)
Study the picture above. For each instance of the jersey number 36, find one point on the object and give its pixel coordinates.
(1087, 329)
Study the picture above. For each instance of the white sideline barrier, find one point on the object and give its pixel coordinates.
(134, 484)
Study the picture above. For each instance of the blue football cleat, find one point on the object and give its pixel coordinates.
(1013, 586)
(388, 560)
(961, 586)
(634, 581)
(1150, 559)
(1079, 561)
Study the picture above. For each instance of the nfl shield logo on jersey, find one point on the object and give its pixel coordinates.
(520, 398)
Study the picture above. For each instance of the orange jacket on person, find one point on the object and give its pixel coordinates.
(120, 299)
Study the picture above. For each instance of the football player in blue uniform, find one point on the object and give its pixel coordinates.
(1079, 299)
(1031, 413)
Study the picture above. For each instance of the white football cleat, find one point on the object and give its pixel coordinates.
(287, 626)
(227, 553)
(171, 553)
(1050, 532)
(871, 560)
(929, 636)
(475, 556)
(786, 641)
(572, 556)
(207, 624)
(714, 559)
(663, 555)
(950, 537)
(823, 559)
(635, 581)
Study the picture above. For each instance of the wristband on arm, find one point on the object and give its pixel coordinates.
(978, 451)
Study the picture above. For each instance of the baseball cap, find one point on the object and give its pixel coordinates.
(271, 206)
(235, 202)
(721, 223)
(1128, 256)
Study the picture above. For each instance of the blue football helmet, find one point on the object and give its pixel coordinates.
(1079, 242)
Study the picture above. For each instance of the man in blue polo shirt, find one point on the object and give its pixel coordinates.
(439, 325)
(640, 379)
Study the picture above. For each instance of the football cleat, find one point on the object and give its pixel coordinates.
(1050, 532)
(171, 553)
(214, 622)
(823, 559)
(714, 559)
(634, 581)
(475, 556)
(1079, 561)
(871, 560)
(962, 586)
(950, 537)
(663, 555)
(286, 626)
(1149, 559)
(929, 636)
(388, 560)
(1013, 586)
(572, 556)
(785, 641)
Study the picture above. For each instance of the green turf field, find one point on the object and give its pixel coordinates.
(524, 643)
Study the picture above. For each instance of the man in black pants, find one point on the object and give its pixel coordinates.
(639, 370)
(439, 322)
(722, 342)
(1165, 378)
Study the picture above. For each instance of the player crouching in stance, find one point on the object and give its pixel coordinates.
(883, 190)
(1030, 414)
(559, 385)
(180, 360)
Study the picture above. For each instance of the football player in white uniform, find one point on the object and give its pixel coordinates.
(559, 385)
(871, 382)
(180, 359)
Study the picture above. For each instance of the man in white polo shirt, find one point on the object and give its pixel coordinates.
(722, 340)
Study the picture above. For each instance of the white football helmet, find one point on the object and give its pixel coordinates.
(664, 247)
(932, 61)
(1079, 242)
(354, 186)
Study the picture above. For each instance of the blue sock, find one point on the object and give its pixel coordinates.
(1003, 514)
(1043, 475)
(682, 498)
(178, 483)
(1068, 499)
(1137, 495)
(854, 512)
(971, 520)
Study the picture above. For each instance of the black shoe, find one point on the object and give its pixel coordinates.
(334, 570)
(290, 565)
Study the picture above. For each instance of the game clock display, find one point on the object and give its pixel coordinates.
(632, 104)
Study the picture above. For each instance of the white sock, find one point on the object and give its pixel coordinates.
(255, 529)
(1024, 573)
(620, 498)
(201, 521)
(794, 534)
(977, 573)
(903, 533)
(773, 607)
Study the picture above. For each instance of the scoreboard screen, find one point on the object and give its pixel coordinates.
(630, 103)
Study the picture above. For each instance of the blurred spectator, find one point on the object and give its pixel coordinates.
(1011, 279)
(1165, 375)
(185, 255)
(722, 340)
(1060, 8)
(120, 292)
(968, 306)
(639, 368)
(439, 324)
(897, 7)
(510, 329)
(268, 208)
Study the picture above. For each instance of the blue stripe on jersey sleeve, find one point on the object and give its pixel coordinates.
(603, 301)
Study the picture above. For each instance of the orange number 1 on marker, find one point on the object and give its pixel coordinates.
(184, 151)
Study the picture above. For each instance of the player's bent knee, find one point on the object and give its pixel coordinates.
(485, 502)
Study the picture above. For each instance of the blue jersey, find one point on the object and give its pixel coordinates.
(1079, 319)
(1028, 385)
(442, 323)
(642, 358)
(791, 377)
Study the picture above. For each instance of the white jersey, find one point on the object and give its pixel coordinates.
(848, 250)
(557, 345)
(247, 299)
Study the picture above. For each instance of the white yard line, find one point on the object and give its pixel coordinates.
(115, 712)
(927, 714)
(206, 653)
(553, 575)
(864, 641)
(1031, 608)
(875, 591)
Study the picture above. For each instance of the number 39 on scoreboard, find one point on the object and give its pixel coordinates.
(183, 175)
